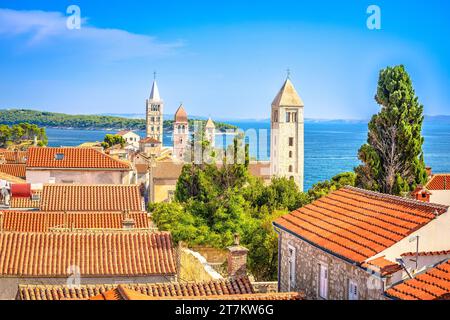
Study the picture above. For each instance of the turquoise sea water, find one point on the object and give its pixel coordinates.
(330, 147)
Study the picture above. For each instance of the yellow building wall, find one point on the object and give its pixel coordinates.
(162, 192)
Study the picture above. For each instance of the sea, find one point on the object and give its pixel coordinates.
(331, 147)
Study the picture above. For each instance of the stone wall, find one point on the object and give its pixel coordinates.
(307, 265)
(194, 267)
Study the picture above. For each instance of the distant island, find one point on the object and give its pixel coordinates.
(62, 120)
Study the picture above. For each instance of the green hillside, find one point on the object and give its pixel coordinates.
(62, 120)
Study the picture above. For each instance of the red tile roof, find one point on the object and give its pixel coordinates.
(80, 158)
(41, 221)
(96, 254)
(25, 203)
(427, 253)
(170, 289)
(439, 182)
(14, 156)
(15, 169)
(431, 285)
(73, 197)
(356, 224)
(150, 140)
(383, 266)
(124, 293)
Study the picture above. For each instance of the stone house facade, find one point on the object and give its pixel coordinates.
(351, 244)
(306, 276)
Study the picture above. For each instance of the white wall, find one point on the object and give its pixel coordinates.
(440, 196)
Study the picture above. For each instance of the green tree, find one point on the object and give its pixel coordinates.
(113, 140)
(392, 158)
(323, 188)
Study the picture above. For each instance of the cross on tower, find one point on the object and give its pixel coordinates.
(288, 72)
(154, 75)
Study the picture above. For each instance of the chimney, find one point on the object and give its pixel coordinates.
(127, 222)
(237, 259)
(421, 194)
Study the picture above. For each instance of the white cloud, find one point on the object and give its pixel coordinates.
(41, 29)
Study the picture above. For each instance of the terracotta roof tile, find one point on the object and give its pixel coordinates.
(382, 266)
(167, 170)
(432, 285)
(25, 203)
(171, 289)
(439, 182)
(150, 140)
(14, 156)
(15, 169)
(83, 158)
(124, 293)
(96, 254)
(357, 224)
(40, 221)
(10, 178)
(73, 197)
(427, 253)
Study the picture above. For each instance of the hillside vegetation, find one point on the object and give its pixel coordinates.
(62, 120)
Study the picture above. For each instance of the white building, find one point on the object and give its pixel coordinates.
(286, 135)
(131, 139)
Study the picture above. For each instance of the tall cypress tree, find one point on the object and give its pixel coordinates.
(392, 157)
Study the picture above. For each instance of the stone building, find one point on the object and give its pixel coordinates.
(210, 132)
(349, 244)
(286, 135)
(180, 133)
(154, 114)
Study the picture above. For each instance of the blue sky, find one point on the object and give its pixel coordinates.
(225, 59)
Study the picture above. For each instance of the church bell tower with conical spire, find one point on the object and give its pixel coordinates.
(154, 113)
(287, 135)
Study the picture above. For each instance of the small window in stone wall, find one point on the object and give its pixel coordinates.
(291, 265)
(323, 281)
(353, 293)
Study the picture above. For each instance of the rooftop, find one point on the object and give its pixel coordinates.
(288, 96)
(181, 115)
(439, 182)
(101, 254)
(14, 169)
(41, 221)
(356, 224)
(73, 197)
(69, 158)
(14, 156)
(169, 289)
(10, 178)
(124, 293)
(382, 266)
(434, 284)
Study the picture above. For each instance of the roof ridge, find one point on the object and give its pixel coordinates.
(398, 198)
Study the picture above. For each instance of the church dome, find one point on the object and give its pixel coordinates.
(181, 115)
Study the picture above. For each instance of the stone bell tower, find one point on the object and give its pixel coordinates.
(180, 133)
(154, 114)
(286, 135)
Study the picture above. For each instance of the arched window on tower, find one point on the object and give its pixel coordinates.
(290, 168)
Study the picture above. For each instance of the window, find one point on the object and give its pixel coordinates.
(352, 290)
(275, 116)
(291, 141)
(290, 168)
(288, 117)
(294, 116)
(290, 154)
(323, 281)
(59, 156)
(291, 263)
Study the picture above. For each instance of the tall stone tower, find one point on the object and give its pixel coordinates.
(180, 133)
(286, 135)
(154, 114)
(210, 132)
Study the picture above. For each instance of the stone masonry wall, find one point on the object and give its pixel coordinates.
(340, 272)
